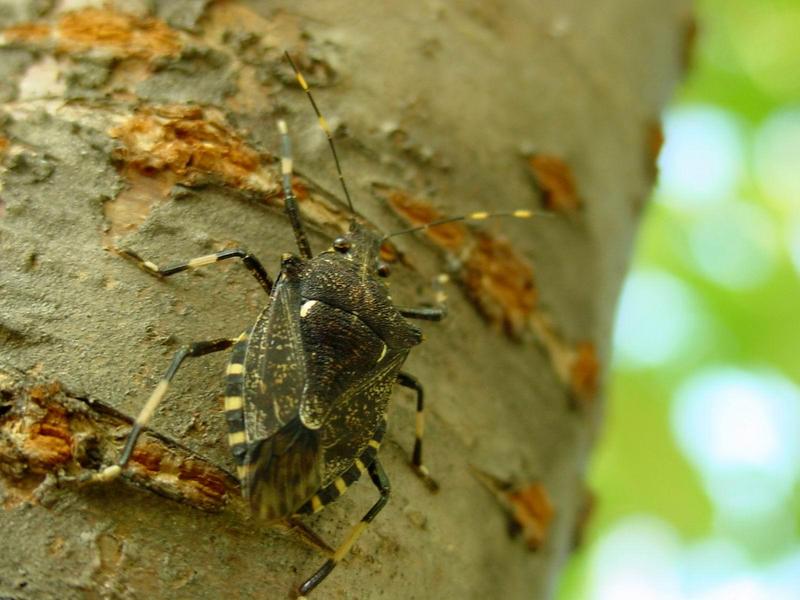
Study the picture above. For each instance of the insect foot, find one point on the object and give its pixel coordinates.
(110, 473)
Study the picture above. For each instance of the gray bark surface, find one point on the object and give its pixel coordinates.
(440, 99)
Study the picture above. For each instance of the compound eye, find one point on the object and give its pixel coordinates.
(384, 270)
(341, 244)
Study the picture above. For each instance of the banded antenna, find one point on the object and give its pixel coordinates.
(324, 125)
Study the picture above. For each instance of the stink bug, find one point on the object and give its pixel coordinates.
(307, 385)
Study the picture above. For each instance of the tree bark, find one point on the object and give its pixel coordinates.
(150, 126)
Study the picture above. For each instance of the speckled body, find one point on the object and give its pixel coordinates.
(314, 375)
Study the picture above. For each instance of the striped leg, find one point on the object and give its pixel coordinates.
(431, 313)
(250, 262)
(192, 350)
(381, 481)
(420, 469)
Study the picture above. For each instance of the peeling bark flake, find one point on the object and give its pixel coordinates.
(497, 280)
(187, 142)
(528, 506)
(44, 431)
(577, 366)
(500, 283)
(654, 140)
(450, 236)
(124, 34)
(24, 32)
(585, 373)
(532, 511)
(554, 179)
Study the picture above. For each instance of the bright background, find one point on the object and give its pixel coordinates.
(697, 470)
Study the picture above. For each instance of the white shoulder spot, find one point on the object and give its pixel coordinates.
(306, 307)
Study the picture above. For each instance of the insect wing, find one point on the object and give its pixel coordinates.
(283, 458)
(285, 471)
(358, 418)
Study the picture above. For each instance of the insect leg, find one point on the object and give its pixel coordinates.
(424, 313)
(381, 481)
(250, 262)
(192, 350)
(289, 201)
(431, 313)
(409, 381)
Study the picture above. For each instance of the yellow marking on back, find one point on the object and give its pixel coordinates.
(243, 471)
(341, 486)
(383, 352)
(233, 403)
(375, 444)
(306, 307)
(235, 369)
(478, 216)
(236, 438)
(316, 503)
(523, 214)
(360, 466)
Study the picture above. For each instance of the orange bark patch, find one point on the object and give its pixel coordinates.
(533, 512)
(42, 431)
(165, 145)
(5, 144)
(585, 372)
(500, 282)
(496, 278)
(529, 507)
(24, 32)
(450, 236)
(556, 182)
(187, 143)
(180, 477)
(389, 253)
(577, 366)
(203, 483)
(148, 456)
(654, 140)
(123, 34)
(49, 439)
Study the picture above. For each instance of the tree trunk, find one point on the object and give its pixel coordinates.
(150, 126)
